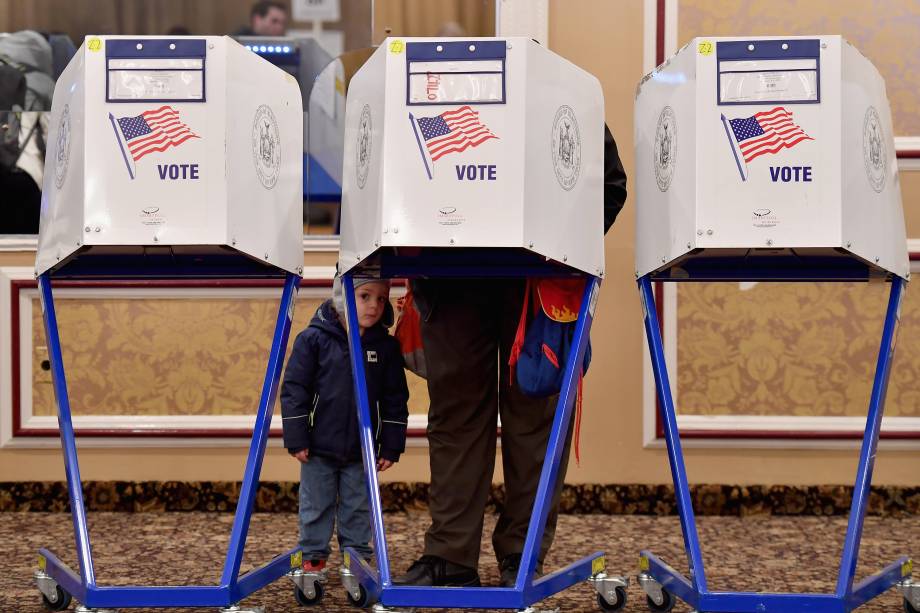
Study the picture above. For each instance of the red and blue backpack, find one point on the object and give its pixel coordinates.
(542, 347)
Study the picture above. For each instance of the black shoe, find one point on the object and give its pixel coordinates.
(509, 567)
(436, 571)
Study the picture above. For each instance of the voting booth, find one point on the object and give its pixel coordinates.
(767, 159)
(473, 158)
(170, 158)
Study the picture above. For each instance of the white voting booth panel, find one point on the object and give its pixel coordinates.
(188, 142)
(769, 143)
(487, 142)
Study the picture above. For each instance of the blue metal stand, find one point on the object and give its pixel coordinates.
(233, 587)
(377, 585)
(657, 576)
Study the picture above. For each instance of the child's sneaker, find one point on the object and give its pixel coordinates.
(314, 566)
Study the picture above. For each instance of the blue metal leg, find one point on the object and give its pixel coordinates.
(260, 433)
(847, 597)
(672, 437)
(65, 424)
(870, 443)
(556, 442)
(367, 437)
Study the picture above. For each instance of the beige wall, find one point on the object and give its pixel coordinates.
(606, 39)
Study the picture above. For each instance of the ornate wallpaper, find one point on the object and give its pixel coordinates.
(885, 31)
(801, 349)
(167, 356)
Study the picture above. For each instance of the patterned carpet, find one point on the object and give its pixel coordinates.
(754, 553)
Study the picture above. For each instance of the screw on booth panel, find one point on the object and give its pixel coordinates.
(709, 232)
(451, 241)
(769, 242)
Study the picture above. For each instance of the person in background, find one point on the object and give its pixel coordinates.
(267, 18)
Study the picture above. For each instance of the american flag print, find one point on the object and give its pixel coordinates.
(154, 130)
(453, 131)
(766, 132)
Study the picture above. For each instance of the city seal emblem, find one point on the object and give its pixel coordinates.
(874, 151)
(363, 147)
(566, 147)
(266, 146)
(62, 150)
(665, 149)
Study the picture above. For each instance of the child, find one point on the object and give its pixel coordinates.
(321, 421)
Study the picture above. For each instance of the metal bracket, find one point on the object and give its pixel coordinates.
(46, 585)
(535, 610)
(651, 587)
(911, 591)
(606, 585)
(306, 582)
(81, 609)
(350, 583)
(235, 609)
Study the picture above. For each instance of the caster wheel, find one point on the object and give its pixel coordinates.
(61, 600)
(666, 605)
(617, 605)
(909, 608)
(302, 598)
(362, 602)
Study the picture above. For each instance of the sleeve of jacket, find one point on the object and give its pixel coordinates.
(394, 408)
(297, 391)
(614, 180)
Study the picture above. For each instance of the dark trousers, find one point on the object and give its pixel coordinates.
(467, 340)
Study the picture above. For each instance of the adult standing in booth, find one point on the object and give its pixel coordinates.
(468, 327)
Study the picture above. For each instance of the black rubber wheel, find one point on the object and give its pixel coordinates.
(362, 602)
(666, 605)
(909, 608)
(61, 600)
(613, 606)
(302, 599)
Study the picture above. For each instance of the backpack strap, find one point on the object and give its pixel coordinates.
(578, 397)
(518, 343)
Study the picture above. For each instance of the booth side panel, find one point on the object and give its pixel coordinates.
(326, 118)
(362, 193)
(563, 203)
(666, 163)
(264, 126)
(872, 210)
(61, 220)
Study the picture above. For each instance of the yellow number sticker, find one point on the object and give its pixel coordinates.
(907, 568)
(705, 47)
(42, 563)
(296, 559)
(346, 560)
(598, 565)
(94, 44)
(643, 563)
(397, 46)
